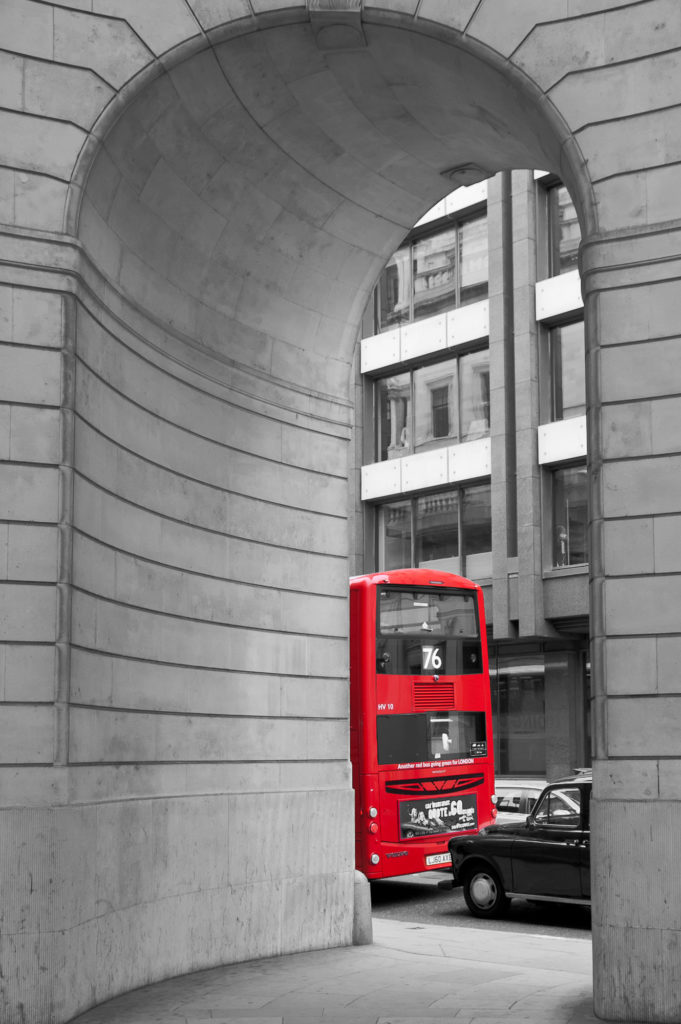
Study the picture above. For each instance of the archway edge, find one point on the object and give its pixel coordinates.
(500, 115)
(568, 161)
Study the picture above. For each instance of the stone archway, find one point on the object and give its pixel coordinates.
(187, 334)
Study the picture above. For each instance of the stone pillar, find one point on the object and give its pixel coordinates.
(33, 494)
(362, 929)
(530, 581)
(633, 308)
(502, 401)
(35, 488)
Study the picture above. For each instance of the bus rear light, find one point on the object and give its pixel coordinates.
(373, 827)
(375, 858)
(373, 812)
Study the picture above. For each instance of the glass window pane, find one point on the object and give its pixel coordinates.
(474, 370)
(568, 371)
(476, 527)
(437, 531)
(394, 414)
(408, 738)
(394, 291)
(561, 807)
(439, 613)
(394, 526)
(564, 233)
(439, 403)
(570, 516)
(436, 404)
(473, 260)
(456, 734)
(426, 631)
(434, 272)
(401, 738)
(520, 723)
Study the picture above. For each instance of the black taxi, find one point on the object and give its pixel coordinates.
(546, 857)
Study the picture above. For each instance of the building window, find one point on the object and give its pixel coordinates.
(436, 527)
(518, 692)
(567, 361)
(436, 404)
(473, 261)
(434, 262)
(433, 273)
(476, 529)
(570, 516)
(449, 402)
(393, 401)
(439, 402)
(449, 530)
(474, 394)
(394, 526)
(564, 233)
(393, 292)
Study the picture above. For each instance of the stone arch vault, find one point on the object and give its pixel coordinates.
(196, 198)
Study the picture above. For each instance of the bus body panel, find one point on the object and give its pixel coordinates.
(408, 808)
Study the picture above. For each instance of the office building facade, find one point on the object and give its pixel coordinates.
(473, 420)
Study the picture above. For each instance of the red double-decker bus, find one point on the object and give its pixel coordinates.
(420, 718)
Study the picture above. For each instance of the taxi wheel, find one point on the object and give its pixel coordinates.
(484, 893)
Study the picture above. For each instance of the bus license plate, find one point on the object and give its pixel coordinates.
(438, 858)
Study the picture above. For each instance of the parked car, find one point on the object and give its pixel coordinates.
(516, 798)
(544, 857)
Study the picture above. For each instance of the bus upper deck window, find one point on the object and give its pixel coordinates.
(445, 613)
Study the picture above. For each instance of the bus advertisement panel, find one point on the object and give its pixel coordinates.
(420, 718)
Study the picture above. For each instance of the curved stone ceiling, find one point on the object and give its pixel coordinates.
(248, 197)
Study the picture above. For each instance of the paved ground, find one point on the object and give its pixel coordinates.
(411, 974)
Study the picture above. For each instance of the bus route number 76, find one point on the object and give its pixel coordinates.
(432, 659)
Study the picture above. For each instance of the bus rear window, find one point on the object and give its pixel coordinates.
(432, 736)
(443, 613)
(427, 632)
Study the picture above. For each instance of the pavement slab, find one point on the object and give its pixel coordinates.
(410, 974)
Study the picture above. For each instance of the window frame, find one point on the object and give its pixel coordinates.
(546, 241)
(553, 795)
(549, 526)
(412, 501)
(548, 384)
(455, 360)
(556, 268)
(439, 410)
(419, 235)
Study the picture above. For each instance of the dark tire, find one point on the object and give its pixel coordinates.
(484, 893)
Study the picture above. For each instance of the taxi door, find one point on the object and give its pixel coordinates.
(551, 854)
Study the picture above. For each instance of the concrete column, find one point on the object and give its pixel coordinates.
(530, 582)
(633, 303)
(502, 400)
